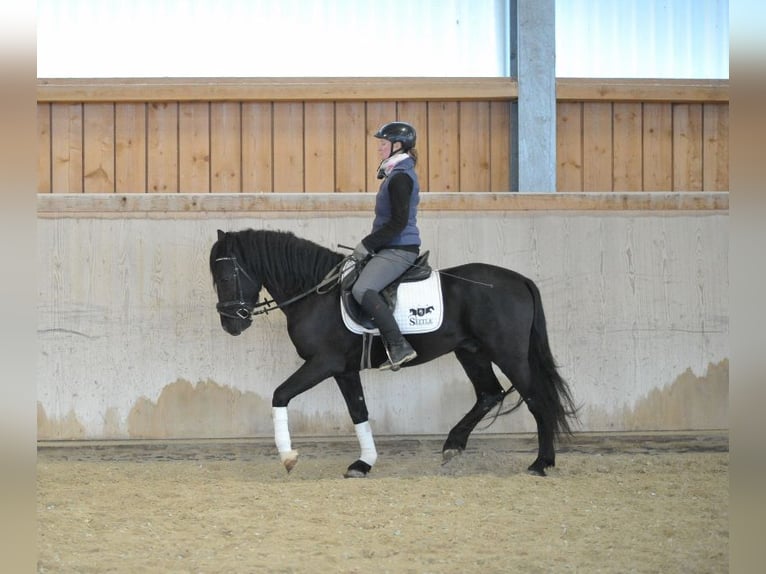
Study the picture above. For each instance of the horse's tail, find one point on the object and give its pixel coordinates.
(552, 391)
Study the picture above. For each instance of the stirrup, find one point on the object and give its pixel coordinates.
(390, 365)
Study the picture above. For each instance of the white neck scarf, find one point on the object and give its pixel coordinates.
(385, 167)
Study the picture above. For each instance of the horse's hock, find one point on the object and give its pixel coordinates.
(635, 288)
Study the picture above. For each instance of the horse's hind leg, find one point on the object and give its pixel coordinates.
(519, 372)
(488, 390)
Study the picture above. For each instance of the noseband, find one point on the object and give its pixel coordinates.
(238, 308)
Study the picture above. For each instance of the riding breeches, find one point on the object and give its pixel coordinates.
(381, 270)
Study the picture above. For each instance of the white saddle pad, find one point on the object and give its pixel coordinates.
(419, 308)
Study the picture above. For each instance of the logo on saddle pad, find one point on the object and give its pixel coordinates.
(418, 316)
(419, 308)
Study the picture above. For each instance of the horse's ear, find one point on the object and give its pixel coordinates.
(221, 235)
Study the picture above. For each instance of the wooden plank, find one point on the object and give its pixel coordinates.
(473, 146)
(257, 148)
(274, 89)
(98, 148)
(687, 147)
(378, 114)
(597, 146)
(321, 154)
(350, 140)
(628, 146)
(416, 114)
(658, 147)
(569, 172)
(641, 90)
(130, 148)
(43, 148)
(162, 146)
(443, 158)
(205, 205)
(500, 146)
(288, 148)
(194, 147)
(715, 150)
(226, 147)
(371, 89)
(66, 148)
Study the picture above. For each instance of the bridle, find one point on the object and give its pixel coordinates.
(241, 309)
(238, 308)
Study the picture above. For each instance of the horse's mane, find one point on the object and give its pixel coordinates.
(281, 259)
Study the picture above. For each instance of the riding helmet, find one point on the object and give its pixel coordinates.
(398, 132)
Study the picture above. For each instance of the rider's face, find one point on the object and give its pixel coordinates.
(384, 149)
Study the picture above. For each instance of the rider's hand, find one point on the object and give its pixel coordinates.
(360, 252)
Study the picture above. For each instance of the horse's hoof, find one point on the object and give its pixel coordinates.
(354, 473)
(449, 453)
(536, 469)
(357, 469)
(289, 459)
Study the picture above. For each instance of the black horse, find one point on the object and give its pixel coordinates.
(491, 315)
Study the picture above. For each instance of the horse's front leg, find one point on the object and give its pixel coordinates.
(350, 386)
(311, 373)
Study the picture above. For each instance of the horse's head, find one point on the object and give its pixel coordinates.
(237, 289)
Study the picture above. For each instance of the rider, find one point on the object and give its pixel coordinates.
(394, 242)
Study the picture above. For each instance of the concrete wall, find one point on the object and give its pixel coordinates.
(130, 344)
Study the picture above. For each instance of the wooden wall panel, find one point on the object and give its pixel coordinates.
(597, 146)
(662, 136)
(288, 147)
(130, 148)
(627, 133)
(473, 145)
(43, 148)
(225, 147)
(98, 148)
(569, 154)
(658, 147)
(687, 147)
(378, 113)
(715, 147)
(162, 147)
(194, 147)
(257, 147)
(416, 113)
(66, 148)
(500, 146)
(321, 154)
(350, 157)
(444, 155)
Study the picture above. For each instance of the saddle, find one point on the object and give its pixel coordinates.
(418, 271)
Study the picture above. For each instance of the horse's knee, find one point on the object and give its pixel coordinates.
(281, 396)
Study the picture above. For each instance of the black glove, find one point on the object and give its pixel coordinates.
(360, 252)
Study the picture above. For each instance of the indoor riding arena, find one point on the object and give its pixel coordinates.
(156, 447)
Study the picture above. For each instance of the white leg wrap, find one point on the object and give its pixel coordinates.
(366, 443)
(282, 432)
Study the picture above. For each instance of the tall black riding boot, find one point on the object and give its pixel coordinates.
(398, 349)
